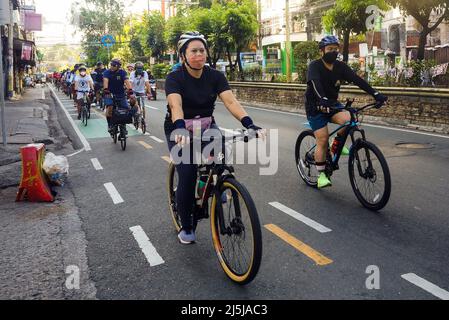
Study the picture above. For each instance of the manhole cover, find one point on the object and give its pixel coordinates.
(413, 145)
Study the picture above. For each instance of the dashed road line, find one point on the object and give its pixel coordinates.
(156, 139)
(96, 164)
(317, 257)
(426, 285)
(116, 198)
(147, 247)
(311, 223)
(149, 107)
(166, 159)
(145, 145)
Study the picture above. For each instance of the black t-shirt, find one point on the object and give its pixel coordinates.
(322, 82)
(99, 75)
(198, 95)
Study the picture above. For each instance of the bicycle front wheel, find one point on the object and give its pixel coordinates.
(172, 185)
(84, 116)
(369, 175)
(236, 233)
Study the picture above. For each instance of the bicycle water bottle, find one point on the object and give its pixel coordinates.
(201, 185)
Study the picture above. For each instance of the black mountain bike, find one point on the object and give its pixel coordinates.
(120, 117)
(85, 108)
(236, 233)
(139, 118)
(368, 170)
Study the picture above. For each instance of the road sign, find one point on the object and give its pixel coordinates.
(108, 41)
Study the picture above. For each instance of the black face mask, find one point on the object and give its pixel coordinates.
(330, 57)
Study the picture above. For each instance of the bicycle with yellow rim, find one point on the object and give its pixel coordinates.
(234, 221)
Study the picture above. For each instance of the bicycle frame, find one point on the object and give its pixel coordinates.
(352, 126)
(216, 176)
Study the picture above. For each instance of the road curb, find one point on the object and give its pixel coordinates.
(68, 125)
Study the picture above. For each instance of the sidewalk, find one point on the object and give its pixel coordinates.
(38, 240)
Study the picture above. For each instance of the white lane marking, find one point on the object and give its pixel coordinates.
(311, 223)
(364, 124)
(156, 139)
(147, 247)
(152, 108)
(43, 94)
(75, 153)
(96, 164)
(116, 198)
(426, 285)
(75, 127)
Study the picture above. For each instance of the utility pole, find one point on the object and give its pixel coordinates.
(10, 53)
(2, 95)
(287, 41)
(259, 13)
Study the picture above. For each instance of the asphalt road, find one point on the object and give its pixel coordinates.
(406, 244)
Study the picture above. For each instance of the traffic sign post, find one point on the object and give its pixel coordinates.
(108, 41)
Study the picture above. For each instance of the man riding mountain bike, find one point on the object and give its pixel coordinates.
(114, 82)
(324, 78)
(191, 94)
(97, 76)
(140, 83)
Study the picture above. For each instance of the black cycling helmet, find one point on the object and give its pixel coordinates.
(327, 41)
(116, 62)
(99, 63)
(185, 39)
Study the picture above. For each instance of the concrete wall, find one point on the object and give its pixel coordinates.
(418, 108)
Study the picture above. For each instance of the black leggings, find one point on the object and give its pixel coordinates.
(187, 176)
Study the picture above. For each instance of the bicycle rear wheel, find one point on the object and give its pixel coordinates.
(123, 137)
(239, 245)
(84, 116)
(305, 157)
(369, 175)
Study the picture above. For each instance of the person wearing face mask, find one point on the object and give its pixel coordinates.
(192, 91)
(115, 79)
(141, 85)
(83, 85)
(324, 78)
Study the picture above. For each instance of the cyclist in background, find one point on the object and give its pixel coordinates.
(83, 85)
(114, 82)
(324, 78)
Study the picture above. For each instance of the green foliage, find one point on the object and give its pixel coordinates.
(348, 16)
(155, 40)
(303, 53)
(96, 18)
(160, 70)
(418, 68)
(252, 73)
(422, 12)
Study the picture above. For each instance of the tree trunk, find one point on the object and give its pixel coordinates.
(231, 65)
(422, 43)
(346, 35)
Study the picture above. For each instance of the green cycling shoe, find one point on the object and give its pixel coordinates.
(323, 181)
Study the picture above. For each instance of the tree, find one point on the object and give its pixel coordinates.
(155, 40)
(305, 52)
(209, 22)
(176, 26)
(241, 25)
(423, 12)
(348, 16)
(96, 18)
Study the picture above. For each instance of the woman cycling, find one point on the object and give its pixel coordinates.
(191, 94)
